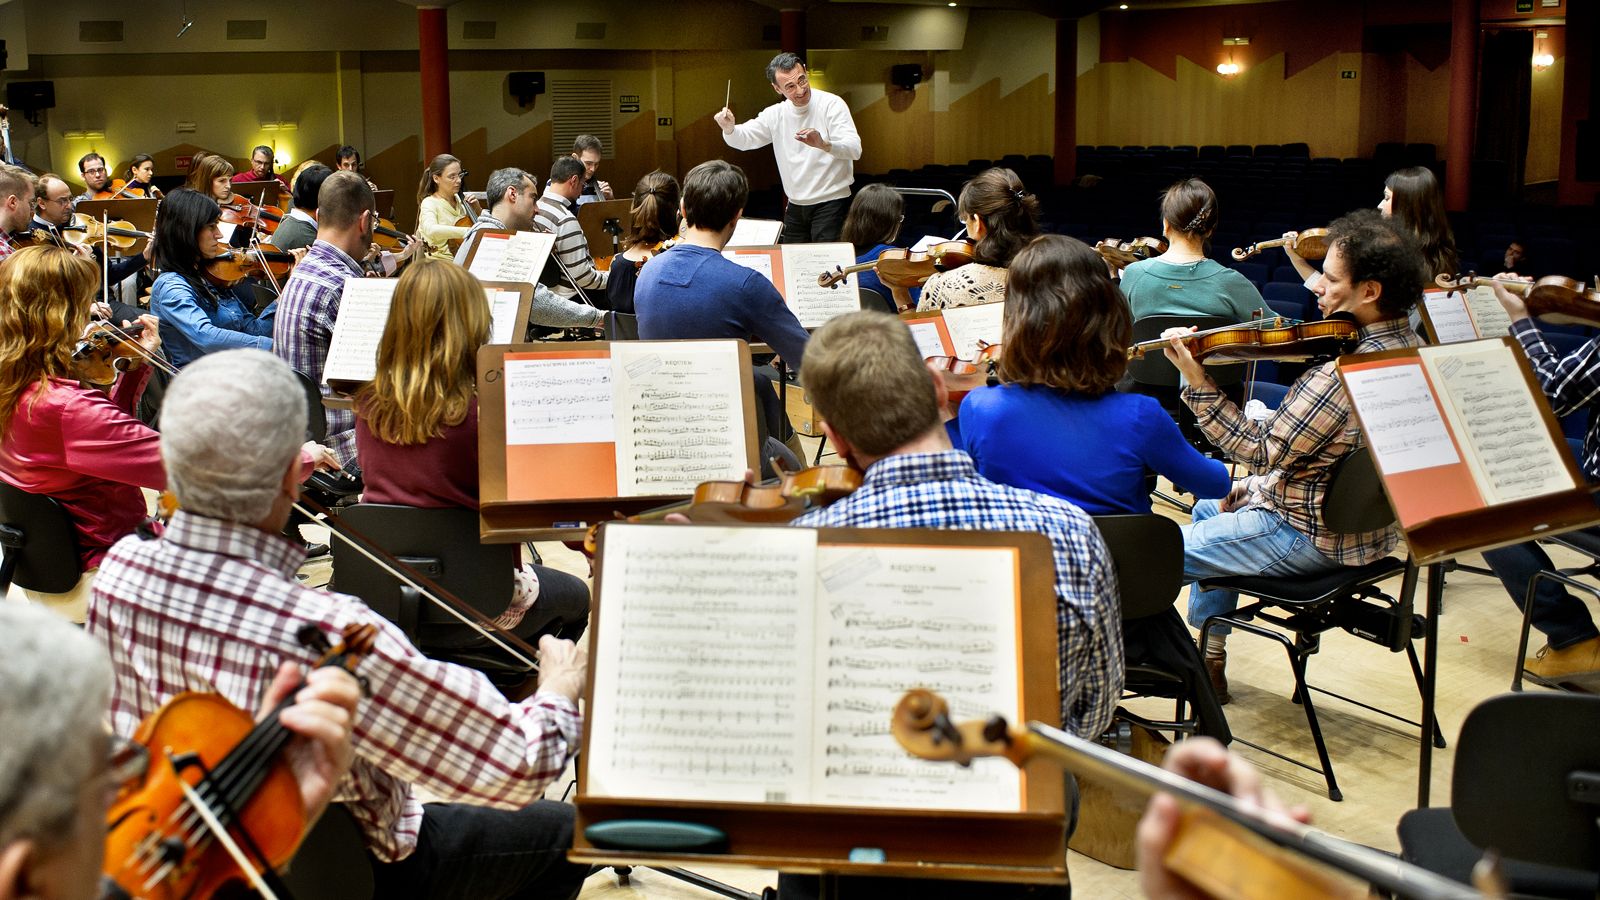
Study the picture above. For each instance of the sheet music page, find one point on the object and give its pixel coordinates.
(505, 327)
(1487, 313)
(969, 324)
(761, 262)
(702, 664)
(1404, 424)
(926, 334)
(895, 618)
(812, 303)
(1448, 314)
(755, 233)
(679, 409)
(558, 401)
(520, 257)
(1491, 409)
(363, 312)
(928, 240)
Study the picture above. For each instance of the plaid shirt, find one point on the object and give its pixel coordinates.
(213, 606)
(7, 245)
(307, 309)
(1571, 382)
(944, 490)
(1296, 448)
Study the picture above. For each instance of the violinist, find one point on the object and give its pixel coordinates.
(512, 198)
(77, 445)
(199, 316)
(212, 176)
(96, 177)
(439, 205)
(261, 169)
(417, 428)
(871, 226)
(571, 269)
(141, 179)
(586, 148)
(18, 188)
(1413, 198)
(655, 221)
(59, 766)
(348, 159)
(1271, 523)
(299, 226)
(1002, 218)
(1182, 281)
(54, 210)
(231, 430)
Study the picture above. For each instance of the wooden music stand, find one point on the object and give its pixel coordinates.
(1018, 846)
(606, 224)
(138, 211)
(954, 331)
(583, 467)
(384, 201)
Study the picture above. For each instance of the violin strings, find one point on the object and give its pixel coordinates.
(127, 337)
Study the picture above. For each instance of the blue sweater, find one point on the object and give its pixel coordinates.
(1092, 451)
(692, 292)
(193, 325)
(870, 279)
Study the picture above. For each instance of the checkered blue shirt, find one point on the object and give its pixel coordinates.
(1572, 382)
(303, 329)
(944, 490)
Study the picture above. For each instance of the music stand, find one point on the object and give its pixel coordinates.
(384, 200)
(261, 193)
(605, 224)
(138, 212)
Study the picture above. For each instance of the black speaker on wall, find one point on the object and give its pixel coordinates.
(525, 86)
(906, 76)
(31, 95)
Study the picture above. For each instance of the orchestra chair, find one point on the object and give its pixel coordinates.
(316, 416)
(443, 545)
(332, 862)
(1585, 543)
(1538, 812)
(1305, 606)
(38, 542)
(1161, 659)
(621, 327)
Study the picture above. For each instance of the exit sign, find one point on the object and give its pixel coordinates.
(1347, 74)
(1524, 6)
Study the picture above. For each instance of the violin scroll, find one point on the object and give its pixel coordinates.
(921, 725)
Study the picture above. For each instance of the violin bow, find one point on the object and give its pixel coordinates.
(125, 336)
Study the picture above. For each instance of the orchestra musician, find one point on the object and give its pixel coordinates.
(55, 210)
(348, 159)
(417, 428)
(871, 227)
(59, 767)
(231, 432)
(96, 177)
(815, 141)
(1414, 199)
(439, 205)
(656, 199)
(261, 169)
(1182, 281)
(141, 179)
(18, 188)
(1271, 523)
(299, 225)
(587, 149)
(512, 197)
(199, 316)
(211, 175)
(576, 271)
(1000, 217)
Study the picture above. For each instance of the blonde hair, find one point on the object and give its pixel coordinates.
(45, 294)
(428, 187)
(427, 358)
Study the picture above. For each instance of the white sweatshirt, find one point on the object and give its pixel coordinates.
(810, 176)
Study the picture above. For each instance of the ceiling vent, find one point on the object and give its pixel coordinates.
(477, 31)
(247, 29)
(100, 31)
(591, 31)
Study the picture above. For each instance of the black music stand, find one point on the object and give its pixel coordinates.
(385, 203)
(261, 193)
(605, 224)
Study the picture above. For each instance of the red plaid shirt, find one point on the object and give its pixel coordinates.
(213, 606)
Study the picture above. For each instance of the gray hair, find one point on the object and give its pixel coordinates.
(502, 180)
(783, 62)
(231, 424)
(52, 710)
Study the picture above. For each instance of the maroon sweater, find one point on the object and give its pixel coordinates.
(441, 473)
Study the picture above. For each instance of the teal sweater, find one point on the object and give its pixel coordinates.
(1205, 288)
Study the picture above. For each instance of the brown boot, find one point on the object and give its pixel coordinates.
(1217, 671)
(1579, 660)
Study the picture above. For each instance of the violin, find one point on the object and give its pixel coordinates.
(216, 781)
(112, 191)
(385, 235)
(897, 267)
(1125, 253)
(1309, 244)
(1553, 298)
(238, 210)
(83, 228)
(109, 349)
(962, 376)
(262, 261)
(138, 190)
(1274, 338)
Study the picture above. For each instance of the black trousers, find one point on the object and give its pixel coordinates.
(814, 224)
(478, 853)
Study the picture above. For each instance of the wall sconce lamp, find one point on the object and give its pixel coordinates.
(1228, 69)
(1542, 58)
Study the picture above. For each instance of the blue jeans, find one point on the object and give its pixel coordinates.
(1244, 542)
(1562, 618)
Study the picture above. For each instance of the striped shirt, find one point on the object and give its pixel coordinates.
(1295, 449)
(944, 490)
(554, 217)
(214, 606)
(307, 309)
(1572, 383)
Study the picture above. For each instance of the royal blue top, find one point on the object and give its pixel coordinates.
(193, 324)
(869, 278)
(1092, 451)
(692, 292)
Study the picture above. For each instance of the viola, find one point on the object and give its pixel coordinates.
(1222, 847)
(238, 210)
(109, 349)
(962, 376)
(262, 261)
(1309, 244)
(1553, 298)
(907, 268)
(1275, 338)
(112, 191)
(1125, 253)
(210, 765)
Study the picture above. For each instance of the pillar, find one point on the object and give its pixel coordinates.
(792, 31)
(433, 42)
(1463, 103)
(1578, 106)
(1066, 130)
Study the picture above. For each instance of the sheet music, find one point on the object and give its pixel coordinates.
(363, 313)
(505, 327)
(679, 410)
(755, 233)
(558, 401)
(928, 240)
(1487, 313)
(1405, 427)
(705, 636)
(896, 618)
(969, 324)
(1490, 407)
(519, 257)
(1447, 313)
(812, 303)
(926, 333)
(761, 262)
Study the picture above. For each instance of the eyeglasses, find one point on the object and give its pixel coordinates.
(459, 176)
(95, 170)
(797, 84)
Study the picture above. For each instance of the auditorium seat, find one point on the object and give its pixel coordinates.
(1290, 300)
(1238, 150)
(1212, 151)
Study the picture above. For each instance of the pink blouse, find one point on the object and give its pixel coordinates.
(88, 452)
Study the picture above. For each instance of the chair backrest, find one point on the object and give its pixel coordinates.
(47, 560)
(316, 416)
(1527, 770)
(1154, 369)
(1147, 550)
(876, 301)
(1355, 502)
(622, 327)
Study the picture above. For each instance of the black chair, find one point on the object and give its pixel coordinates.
(1161, 659)
(316, 416)
(39, 541)
(1305, 606)
(1524, 781)
(1585, 543)
(332, 862)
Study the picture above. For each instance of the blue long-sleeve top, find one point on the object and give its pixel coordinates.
(193, 324)
(870, 279)
(1092, 451)
(692, 292)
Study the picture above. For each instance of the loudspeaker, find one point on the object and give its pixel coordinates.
(30, 96)
(1586, 150)
(525, 86)
(906, 76)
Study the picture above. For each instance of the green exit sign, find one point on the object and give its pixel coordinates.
(1524, 6)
